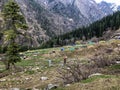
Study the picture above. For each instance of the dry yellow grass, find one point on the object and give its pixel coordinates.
(100, 84)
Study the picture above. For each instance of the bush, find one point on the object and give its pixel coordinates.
(30, 72)
(2, 49)
(105, 59)
(102, 61)
(76, 72)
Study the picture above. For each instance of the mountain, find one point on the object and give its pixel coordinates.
(48, 18)
(105, 7)
(108, 8)
(103, 29)
(114, 7)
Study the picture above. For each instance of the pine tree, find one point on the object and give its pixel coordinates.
(14, 20)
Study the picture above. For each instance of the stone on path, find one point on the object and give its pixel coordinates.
(44, 78)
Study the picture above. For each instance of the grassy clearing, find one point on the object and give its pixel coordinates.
(113, 67)
(25, 63)
(104, 83)
(91, 79)
(39, 59)
(60, 88)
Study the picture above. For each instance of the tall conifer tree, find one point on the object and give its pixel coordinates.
(14, 20)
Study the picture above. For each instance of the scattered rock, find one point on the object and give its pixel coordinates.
(45, 67)
(13, 73)
(35, 89)
(52, 86)
(34, 55)
(2, 80)
(118, 45)
(117, 62)
(67, 85)
(24, 57)
(34, 69)
(44, 78)
(14, 89)
(37, 68)
(68, 68)
(95, 74)
(27, 78)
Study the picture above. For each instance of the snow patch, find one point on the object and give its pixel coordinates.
(114, 7)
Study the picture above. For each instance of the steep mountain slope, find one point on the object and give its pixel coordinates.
(48, 18)
(87, 8)
(102, 29)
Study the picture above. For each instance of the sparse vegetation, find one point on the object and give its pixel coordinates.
(85, 66)
(81, 64)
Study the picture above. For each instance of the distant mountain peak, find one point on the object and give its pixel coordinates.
(108, 8)
(114, 7)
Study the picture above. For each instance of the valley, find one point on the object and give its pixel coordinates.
(59, 45)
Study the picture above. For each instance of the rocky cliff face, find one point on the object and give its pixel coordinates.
(81, 9)
(47, 18)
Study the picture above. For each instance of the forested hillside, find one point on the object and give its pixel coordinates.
(49, 18)
(96, 29)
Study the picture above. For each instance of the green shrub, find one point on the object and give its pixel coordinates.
(30, 72)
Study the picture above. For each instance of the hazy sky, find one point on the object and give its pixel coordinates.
(113, 1)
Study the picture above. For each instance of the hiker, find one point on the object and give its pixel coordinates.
(65, 59)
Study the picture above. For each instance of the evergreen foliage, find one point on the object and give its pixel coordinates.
(14, 20)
